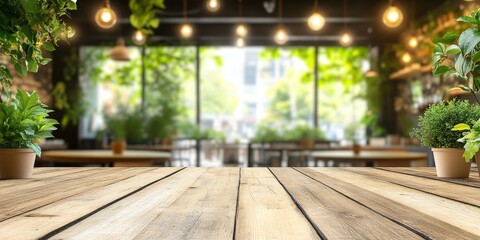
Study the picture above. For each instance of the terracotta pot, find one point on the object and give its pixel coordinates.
(356, 148)
(449, 163)
(306, 143)
(118, 147)
(16, 163)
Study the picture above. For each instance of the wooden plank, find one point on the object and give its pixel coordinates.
(335, 215)
(266, 211)
(30, 196)
(196, 203)
(430, 173)
(462, 216)
(427, 226)
(469, 195)
(41, 174)
(47, 219)
(206, 210)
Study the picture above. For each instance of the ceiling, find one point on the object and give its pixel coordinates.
(363, 21)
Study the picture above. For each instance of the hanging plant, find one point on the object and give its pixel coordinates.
(27, 27)
(144, 13)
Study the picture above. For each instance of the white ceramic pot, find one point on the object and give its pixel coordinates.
(449, 163)
(16, 163)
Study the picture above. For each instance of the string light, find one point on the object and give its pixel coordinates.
(105, 16)
(413, 42)
(393, 16)
(346, 39)
(281, 36)
(186, 30)
(241, 30)
(139, 38)
(213, 5)
(406, 58)
(316, 21)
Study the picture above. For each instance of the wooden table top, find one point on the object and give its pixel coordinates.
(366, 155)
(98, 156)
(239, 203)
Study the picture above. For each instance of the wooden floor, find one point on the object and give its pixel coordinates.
(239, 203)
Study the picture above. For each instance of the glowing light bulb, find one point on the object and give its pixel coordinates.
(281, 36)
(413, 42)
(316, 21)
(240, 42)
(70, 32)
(346, 39)
(392, 17)
(406, 58)
(213, 5)
(139, 37)
(106, 17)
(241, 30)
(186, 30)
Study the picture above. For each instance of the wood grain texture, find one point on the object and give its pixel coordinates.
(266, 211)
(235, 203)
(48, 218)
(136, 211)
(41, 174)
(470, 195)
(206, 210)
(336, 216)
(456, 214)
(430, 173)
(427, 226)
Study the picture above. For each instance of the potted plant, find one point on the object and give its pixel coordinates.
(116, 126)
(23, 122)
(433, 131)
(471, 139)
(26, 27)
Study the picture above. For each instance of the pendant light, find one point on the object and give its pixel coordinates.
(240, 42)
(120, 52)
(241, 30)
(393, 16)
(281, 35)
(186, 30)
(412, 42)
(213, 5)
(139, 38)
(316, 21)
(105, 16)
(345, 39)
(406, 58)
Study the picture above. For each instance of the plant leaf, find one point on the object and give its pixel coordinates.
(48, 46)
(461, 127)
(468, 40)
(468, 19)
(453, 49)
(440, 70)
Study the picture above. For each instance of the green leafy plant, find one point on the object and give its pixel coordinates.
(144, 13)
(24, 121)
(304, 132)
(434, 126)
(116, 125)
(460, 58)
(266, 133)
(27, 27)
(471, 138)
